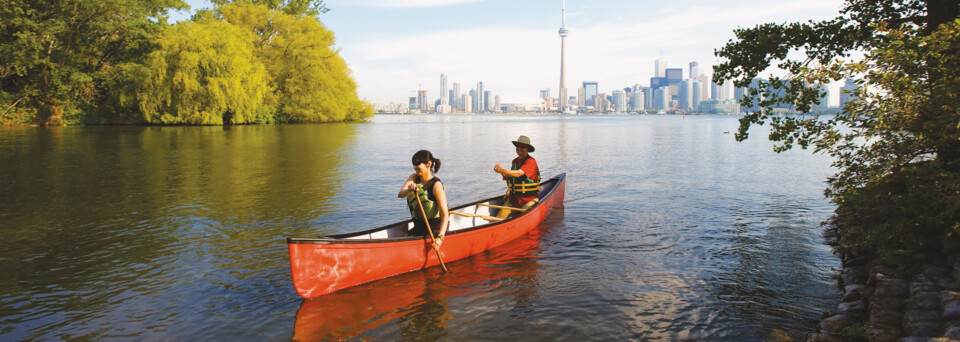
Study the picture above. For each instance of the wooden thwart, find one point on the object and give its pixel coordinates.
(501, 207)
(485, 217)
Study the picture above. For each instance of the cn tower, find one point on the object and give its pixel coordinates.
(562, 98)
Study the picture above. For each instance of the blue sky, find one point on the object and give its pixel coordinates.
(512, 46)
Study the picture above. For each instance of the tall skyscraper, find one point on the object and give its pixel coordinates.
(619, 101)
(590, 90)
(660, 67)
(422, 101)
(846, 92)
(685, 96)
(479, 100)
(694, 70)
(562, 105)
(443, 90)
(457, 101)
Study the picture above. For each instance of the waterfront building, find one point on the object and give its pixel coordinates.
(660, 67)
(697, 97)
(455, 98)
(496, 103)
(467, 99)
(487, 101)
(694, 69)
(581, 97)
(705, 86)
(685, 96)
(422, 101)
(443, 90)
(619, 101)
(846, 92)
(674, 75)
(647, 98)
(719, 107)
(545, 93)
(590, 90)
(412, 105)
(661, 99)
(478, 100)
(600, 103)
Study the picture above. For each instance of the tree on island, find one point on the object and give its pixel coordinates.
(246, 63)
(897, 146)
(59, 61)
(118, 61)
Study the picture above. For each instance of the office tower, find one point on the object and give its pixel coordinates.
(619, 101)
(660, 67)
(647, 98)
(658, 82)
(581, 97)
(455, 98)
(600, 102)
(674, 75)
(545, 93)
(496, 104)
(726, 91)
(478, 99)
(694, 70)
(422, 101)
(413, 104)
(443, 90)
(561, 106)
(685, 96)
(697, 94)
(487, 101)
(661, 99)
(590, 92)
(846, 92)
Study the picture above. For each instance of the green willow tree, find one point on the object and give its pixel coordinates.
(204, 74)
(312, 82)
(897, 146)
(247, 63)
(58, 59)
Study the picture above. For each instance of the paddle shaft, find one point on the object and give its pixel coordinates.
(429, 230)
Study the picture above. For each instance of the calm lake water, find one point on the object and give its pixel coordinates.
(670, 230)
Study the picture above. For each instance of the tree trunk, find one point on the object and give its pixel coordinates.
(941, 11)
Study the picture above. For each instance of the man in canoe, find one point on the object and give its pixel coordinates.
(523, 178)
(423, 184)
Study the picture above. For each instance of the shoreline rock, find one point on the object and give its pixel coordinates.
(878, 304)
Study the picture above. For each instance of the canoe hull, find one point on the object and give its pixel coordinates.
(323, 265)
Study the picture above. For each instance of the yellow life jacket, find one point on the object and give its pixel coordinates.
(425, 192)
(523, 186)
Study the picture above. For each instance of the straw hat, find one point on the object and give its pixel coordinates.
(523, 140)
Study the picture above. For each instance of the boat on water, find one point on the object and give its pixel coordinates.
(326, 264)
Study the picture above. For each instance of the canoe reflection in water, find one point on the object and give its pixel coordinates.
(417, 302)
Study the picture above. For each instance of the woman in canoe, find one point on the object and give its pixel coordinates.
(422, 183)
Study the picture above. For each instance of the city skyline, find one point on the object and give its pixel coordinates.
(394, 46)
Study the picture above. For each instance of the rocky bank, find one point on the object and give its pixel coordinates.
(883, 304)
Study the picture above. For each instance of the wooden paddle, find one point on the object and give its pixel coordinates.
(429, 230)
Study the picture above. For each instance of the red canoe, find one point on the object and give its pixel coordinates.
(329, 263)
